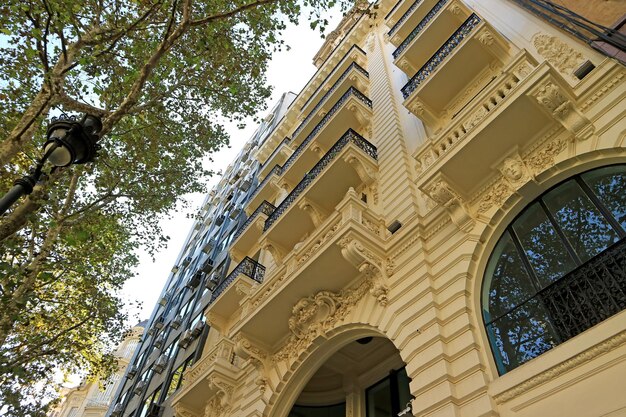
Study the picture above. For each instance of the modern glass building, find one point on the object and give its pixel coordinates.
(176, 332)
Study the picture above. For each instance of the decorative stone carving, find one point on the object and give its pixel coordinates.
(565, 59)
(456, 9)
(316, 245)
(273, 249)
(544, 157)
(314, 316)
(554, 99)
(515, 171)
(474, 118)
(444, 195)
(368, 264)
(486, 38)
(257, 356)
(495, 197)
(219, 405)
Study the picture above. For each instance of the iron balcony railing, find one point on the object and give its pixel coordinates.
(584, 29)
(588, 295)
(351, 92)
(265, 208)
(330, 74)
(248, 267)
(336, 85)
(278, 170)
(420, 26)
(349, 137)
(441, 54)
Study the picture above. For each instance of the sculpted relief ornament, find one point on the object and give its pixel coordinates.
(554, 99)
(565, 59)
(314, 316)
(443, 194)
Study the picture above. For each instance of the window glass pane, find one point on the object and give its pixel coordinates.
(609, 184)
(582, 223)
(378, 400)
(542, 246)
(404, 392)
(507, 283)
(176, 376)
(521, 335)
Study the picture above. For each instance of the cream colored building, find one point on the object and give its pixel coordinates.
(93, 399)
(449, 229)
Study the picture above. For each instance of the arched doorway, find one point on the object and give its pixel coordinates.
(364, 378)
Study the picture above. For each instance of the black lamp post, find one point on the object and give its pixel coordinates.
(68, 141)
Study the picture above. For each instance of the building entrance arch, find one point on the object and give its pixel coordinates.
(356, 371)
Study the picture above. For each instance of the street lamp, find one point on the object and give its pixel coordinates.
(68, 141)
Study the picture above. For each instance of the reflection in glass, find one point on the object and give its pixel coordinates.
(609, 184)
(582, 223)
(543, 248)
(521, 335)
(506, 278)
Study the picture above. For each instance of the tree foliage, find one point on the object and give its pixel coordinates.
(164, 76)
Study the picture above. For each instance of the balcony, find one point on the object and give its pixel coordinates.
(352, 109)
(350, 163)
(265, 190)
(248, 234)
(278, 157)
(413, 22)
(354, 55)
(520, 106)
(224, 302)
(325, 261)
(354, 76)
(397, 11)
(417, 41)
(468, 61)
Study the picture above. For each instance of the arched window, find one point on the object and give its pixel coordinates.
(559, 268)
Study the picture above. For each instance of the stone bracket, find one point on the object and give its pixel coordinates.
(554, 99)
(444, 194)
(317, 213)
(366, 172)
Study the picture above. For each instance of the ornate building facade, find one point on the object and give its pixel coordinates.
(93, 399)
(441, 223)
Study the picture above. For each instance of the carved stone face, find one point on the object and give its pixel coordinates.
(512, 169)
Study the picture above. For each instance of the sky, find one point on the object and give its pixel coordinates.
(287, 71)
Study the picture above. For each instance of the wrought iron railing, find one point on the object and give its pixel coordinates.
(248, 267)
(588, 295)
(349, 137)
(441, 54)
(276, 150)
(349, 93)
(265, 208)
(420, 26)
(579, 26)
(336, 85)
(278, 169)
(330, 74)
